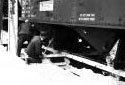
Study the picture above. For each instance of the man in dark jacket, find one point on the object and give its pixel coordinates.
(24, 34)
(34, 49)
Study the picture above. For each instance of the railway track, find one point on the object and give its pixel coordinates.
(104, 69)
(66, 60)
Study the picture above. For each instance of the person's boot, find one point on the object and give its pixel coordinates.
(33, 60)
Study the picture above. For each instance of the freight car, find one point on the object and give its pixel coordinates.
(87, 28)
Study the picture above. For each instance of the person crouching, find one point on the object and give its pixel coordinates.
(34, 49)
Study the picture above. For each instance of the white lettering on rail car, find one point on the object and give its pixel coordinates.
(87, 17)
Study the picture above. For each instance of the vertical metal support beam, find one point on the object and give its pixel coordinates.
(12, 25)
(1, 16)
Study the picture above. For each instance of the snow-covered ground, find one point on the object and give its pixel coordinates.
(4, 37)
(14, 71)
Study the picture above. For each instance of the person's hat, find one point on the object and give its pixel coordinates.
(43, 33)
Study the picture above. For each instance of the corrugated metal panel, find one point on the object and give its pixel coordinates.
(79, 12)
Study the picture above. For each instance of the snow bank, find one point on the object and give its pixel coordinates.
(14, 71)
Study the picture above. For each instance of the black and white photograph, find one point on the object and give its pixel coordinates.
(62, 42)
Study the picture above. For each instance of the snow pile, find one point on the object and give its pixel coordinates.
(4, 36)
(90, 78)
(14, 71)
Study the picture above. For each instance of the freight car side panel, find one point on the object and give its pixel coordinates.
(79, 12)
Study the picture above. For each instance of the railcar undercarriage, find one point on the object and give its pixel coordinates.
(81, 46)
(93, 43)
(87, 47)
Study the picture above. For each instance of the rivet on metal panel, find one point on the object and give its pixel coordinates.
(85, 32)
(120, 19)
(81, 3)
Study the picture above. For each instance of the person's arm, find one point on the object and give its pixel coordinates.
(32, 29)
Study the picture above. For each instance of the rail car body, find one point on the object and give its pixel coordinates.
(85, 27)
(93, 13)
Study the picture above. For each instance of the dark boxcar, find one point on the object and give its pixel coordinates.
(79, 23)
(95, 13)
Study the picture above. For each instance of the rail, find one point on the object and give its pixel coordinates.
(86, 61)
